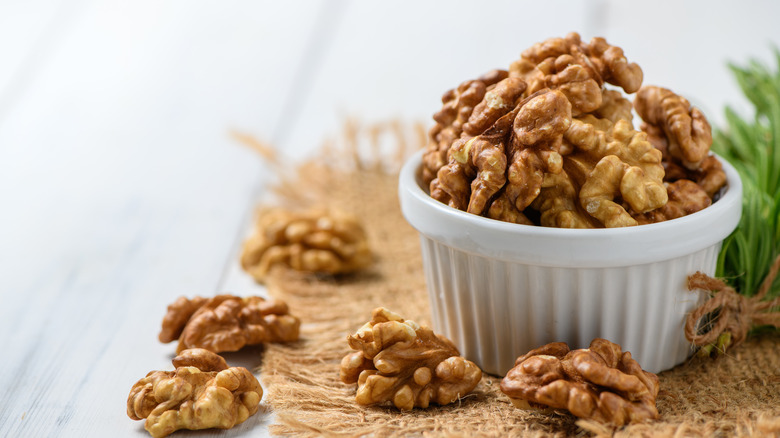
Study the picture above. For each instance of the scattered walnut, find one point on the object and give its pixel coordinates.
(227, 323)
(401, 362)
(202, 393)
(601, 383)
(177, 316)
(330, 242)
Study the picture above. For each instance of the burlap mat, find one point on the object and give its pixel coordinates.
(735, 395)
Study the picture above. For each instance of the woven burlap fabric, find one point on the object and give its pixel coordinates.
(733, 395)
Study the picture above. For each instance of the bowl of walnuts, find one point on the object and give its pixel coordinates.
(547, 213)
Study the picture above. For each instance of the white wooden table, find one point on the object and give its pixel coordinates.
(121, 189)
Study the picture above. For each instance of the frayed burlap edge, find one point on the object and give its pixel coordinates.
(735, 395)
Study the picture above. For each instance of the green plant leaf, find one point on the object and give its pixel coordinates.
(752, 145)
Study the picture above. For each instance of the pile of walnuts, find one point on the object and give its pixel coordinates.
(547, 143)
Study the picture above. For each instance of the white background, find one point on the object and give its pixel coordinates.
(121, 188)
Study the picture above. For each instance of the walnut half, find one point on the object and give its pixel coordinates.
(330, 242)
(228, 323)
(601, 383)
(401, 362)
(201, 393)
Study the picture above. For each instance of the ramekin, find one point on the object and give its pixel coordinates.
(498, 290)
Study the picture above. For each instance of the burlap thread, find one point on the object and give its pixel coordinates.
(729, 312)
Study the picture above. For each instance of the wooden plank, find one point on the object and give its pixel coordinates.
(121, 190)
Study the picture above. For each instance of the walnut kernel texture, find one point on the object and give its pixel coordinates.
(201, 393)
(400, 362)
(600, 383)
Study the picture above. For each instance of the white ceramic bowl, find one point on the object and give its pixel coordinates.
(499, 290)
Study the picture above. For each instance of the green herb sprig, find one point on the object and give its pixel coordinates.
(752, 146)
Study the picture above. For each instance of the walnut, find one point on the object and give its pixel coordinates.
(601, 383)
(598, 193)
(458, 106)
(575, 81)
(687, 131)
(503, 209)
(709, 175)
(177, 316)
(613, 66)
(538, 131)
(319, 241)
(577, 69)
(497, 102)
(685, 197)
(592, 137)
(476, 169)
(227, 323)
(558, 204)
(657, 137)
(201, 393)
(620, 165)
(401, 362)
(566, 74)
(551, 48)
(614, 107)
